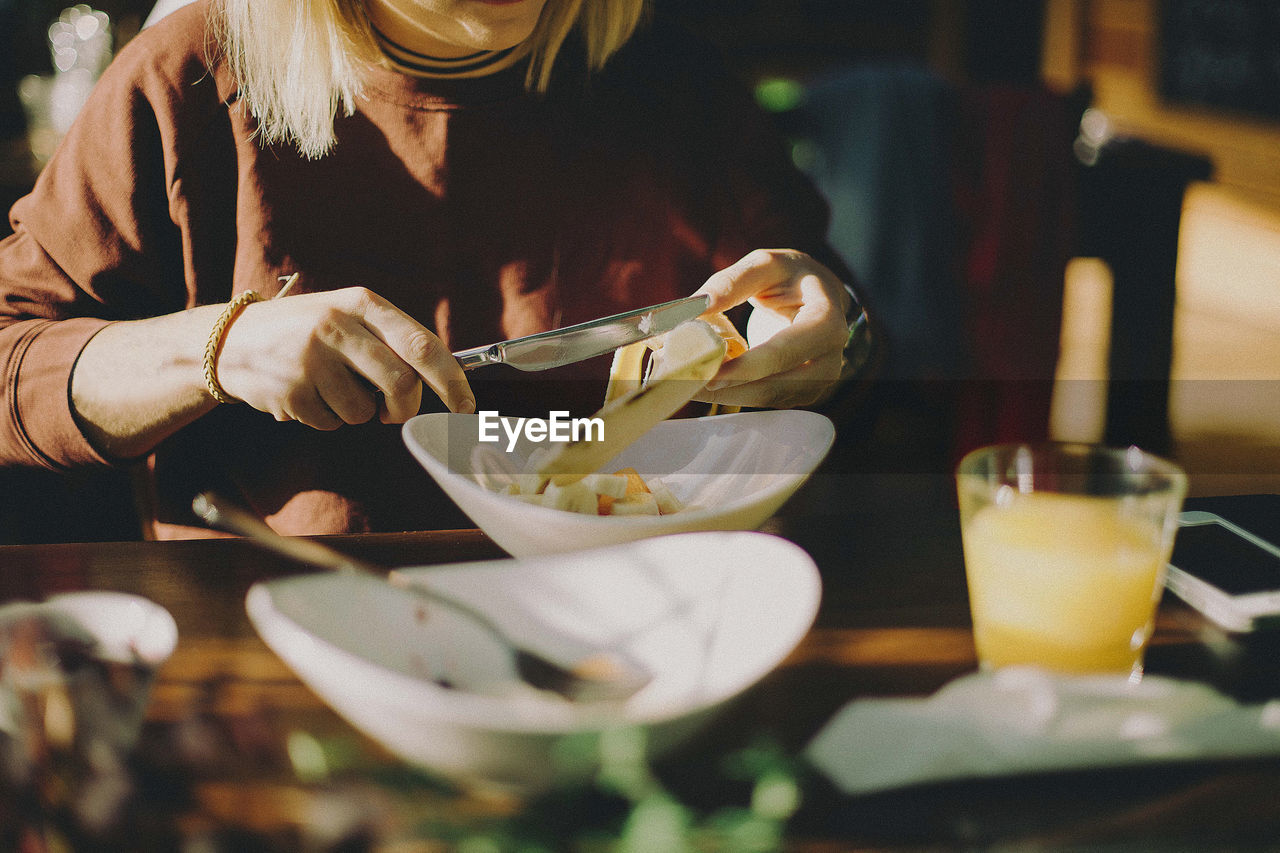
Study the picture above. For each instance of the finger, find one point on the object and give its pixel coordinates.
(396, 387)
(769, 277)
(306, 406)
(805, 385)
(418, 347)
(816, 332)
(348, 396)
(754, 272)
(786, 297)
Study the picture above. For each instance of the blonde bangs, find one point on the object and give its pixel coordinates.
(297, 62)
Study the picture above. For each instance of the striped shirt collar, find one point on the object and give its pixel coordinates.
(414, 62)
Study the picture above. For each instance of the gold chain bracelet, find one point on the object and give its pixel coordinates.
(214, 345)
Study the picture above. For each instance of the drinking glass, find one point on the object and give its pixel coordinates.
(1065, 549)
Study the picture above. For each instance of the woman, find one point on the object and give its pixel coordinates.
(431, 175)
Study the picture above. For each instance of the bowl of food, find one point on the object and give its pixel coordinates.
(720, 472)
(703, 615)
(547, 485)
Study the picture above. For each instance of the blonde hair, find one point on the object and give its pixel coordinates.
(297, 62)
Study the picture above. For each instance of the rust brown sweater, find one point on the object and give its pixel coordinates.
(482, 210)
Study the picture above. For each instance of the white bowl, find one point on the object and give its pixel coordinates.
(737, 470)
(707, 614)
(113, 628)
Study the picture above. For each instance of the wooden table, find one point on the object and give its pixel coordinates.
(894, 622)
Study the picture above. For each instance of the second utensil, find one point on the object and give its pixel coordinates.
(595, 676)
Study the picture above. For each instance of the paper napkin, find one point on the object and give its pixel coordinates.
(1022, 720)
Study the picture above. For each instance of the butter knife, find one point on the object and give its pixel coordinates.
(584, 340)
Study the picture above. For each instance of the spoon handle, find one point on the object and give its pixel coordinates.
(219, 513)
(223, 515)
(597, 675)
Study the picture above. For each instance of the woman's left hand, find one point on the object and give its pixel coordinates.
(797, 331)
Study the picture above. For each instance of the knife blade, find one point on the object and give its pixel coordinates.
(559, 347)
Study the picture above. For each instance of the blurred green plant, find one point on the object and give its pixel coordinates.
(623, 807)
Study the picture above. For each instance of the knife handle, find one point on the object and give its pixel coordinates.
(478, 356)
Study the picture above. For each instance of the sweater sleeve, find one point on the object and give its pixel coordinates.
(95, 241)
(39, 343)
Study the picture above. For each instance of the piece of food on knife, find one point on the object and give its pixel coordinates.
(630, 370)
(681, 362)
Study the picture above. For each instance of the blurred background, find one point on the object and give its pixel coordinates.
(1065, 212)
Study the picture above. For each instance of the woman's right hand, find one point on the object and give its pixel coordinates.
(343, 356)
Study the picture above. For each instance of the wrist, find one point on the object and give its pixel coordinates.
(854, 313)
(217, 335)
(859, 344)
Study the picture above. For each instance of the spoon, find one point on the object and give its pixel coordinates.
(595, 677)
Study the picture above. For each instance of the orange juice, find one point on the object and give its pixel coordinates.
(1064, 581)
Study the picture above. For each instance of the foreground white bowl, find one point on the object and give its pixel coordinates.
(736, 469)
(113, 628)
(707, 614)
